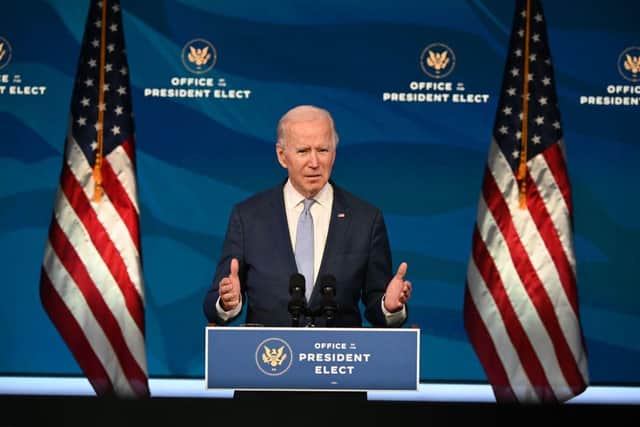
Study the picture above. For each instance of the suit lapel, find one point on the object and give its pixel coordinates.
(281, 234)
(338, 231)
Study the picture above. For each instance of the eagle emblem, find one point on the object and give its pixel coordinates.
(199, 56)
(273, 356)
(438, 61)
(632, 64)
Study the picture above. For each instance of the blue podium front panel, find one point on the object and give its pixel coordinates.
(312, 358)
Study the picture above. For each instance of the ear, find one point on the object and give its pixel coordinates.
(282, 159)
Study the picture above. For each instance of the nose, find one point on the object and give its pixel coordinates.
(313, 159)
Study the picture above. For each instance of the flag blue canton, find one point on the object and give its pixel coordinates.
(116, 103)
(544, 127)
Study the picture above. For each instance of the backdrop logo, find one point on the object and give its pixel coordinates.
(274, 356)
(5, 52)
(629, 64)
(437, 60)
(199, 56)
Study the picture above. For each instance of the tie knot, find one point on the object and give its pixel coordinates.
(307, 205)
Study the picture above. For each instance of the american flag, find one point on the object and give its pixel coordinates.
(91, 282)
(521, 308)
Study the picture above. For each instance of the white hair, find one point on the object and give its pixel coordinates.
(304, 113)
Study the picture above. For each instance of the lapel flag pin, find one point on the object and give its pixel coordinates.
(341, 215)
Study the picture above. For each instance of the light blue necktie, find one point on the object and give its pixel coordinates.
(304, 246)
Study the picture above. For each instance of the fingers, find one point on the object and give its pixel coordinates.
(229, 287)
(229, 297)
(406, 292)
(406, 289)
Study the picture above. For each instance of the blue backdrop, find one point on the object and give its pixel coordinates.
(420, 162)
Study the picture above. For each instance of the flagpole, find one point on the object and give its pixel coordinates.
(97, 167)
(522, 169)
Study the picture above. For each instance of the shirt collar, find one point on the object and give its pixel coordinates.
(292, 198)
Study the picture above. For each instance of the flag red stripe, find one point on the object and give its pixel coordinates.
(486, 349)
(94, 299)
(73, 336)
(557, 165)
(129, 147)
(500, 211)
(120, 201)
(517, 335)
(549, 234)
(103, 244)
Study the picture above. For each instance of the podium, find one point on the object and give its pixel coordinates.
(312, 359)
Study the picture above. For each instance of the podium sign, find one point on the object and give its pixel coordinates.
(354, 359)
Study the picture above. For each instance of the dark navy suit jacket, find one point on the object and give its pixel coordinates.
(356, 252)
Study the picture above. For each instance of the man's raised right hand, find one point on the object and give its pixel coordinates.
(230, 288)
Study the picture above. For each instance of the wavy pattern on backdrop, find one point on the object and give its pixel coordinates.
(421, 163)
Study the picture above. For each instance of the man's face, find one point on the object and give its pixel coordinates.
(308, 154)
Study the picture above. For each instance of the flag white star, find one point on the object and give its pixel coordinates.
(92, 63)
(122, 90)
(543, 100)
(536, 139)
(546, 81)
(516, 154)
(114, 27)
(118, 110)
(81, 121)
(515, 72)
(88, 82)
(538, 17)
(98, 126)
(539, 120)
(115, 130)
(123, 71)
(116, 8)
(507, 110)
(95, 43)
(511, 91)
(535, 37)
(518, 52)
(532, 57)
(111, 47)
(98, 23)
(108, 67)
(85, 102)
(556, 124)
(503, 130)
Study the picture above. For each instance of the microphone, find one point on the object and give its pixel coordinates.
(328, 291)
(298, 302)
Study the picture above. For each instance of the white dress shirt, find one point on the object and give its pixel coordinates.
(321, 213)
